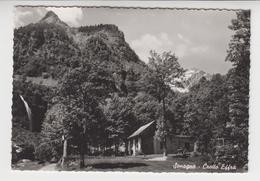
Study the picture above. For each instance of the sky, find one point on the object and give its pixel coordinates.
(198, 38)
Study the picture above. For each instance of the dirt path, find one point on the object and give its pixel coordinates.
(49, 167)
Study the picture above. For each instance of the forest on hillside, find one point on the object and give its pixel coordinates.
(100, 92)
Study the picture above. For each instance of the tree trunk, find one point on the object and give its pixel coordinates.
(82, 154)
(64, 156)
(164, 148)
(126, 147)
(196, 147)
(116, 149)
(103, 149)
(164, 145)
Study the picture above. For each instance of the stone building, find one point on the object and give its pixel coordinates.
(143, 141)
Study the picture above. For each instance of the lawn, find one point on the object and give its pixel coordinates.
(150, 163)
(29, 165)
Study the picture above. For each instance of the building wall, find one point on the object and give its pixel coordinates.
(174, 144)
(143, 143)
(147, 143)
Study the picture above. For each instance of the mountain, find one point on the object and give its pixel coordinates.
(50, 47)
(189, 79)
(52, 18)
(45, 51)
(43, 47)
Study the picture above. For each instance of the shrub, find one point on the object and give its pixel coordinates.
(24, 143)
(47, 152)
(51, 134)
(231, 154)
(25, 151)
(45, 75)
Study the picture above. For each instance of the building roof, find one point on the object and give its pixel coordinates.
(140, 130)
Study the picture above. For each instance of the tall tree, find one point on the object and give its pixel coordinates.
(238, 81)
(82, 90)
(164, 69)
(239, 46)
(206, 111)
(121, 120)
(51, 134)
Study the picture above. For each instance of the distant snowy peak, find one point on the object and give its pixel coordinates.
(189, 78)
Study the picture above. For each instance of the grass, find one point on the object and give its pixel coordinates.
(32, 165)
(144, 164)
(132, 164)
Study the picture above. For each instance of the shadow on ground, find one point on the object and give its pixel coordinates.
(117, 165)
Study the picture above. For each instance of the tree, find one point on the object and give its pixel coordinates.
(177, 108)
(146, 108)
(52, 132)
(82, 91)
(196, 120)
(164, 69)
(206, 112)
(238, 81)
(121, 120)
(239, 46)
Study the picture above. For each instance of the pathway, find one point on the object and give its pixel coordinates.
(49, 167)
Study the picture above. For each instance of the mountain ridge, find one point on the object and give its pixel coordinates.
(50, 28)
(45, 51)
(52, 18)
(52, 47)
(190, 78)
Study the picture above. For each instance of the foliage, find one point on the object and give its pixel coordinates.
(42, 47)
(163, 69)
(82, 90)
(97, 28)
(87, 71)
(238, 81)
(105, 92)
(50, 145)
(36, 96)
(239, 46)
(24, 144)
(121, 119)
(25, 151)
(206, 111)
(146, 108)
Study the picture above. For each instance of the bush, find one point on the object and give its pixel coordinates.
(24, 143)
(51, 143)
(45, 75)
(230, 154)
(25, 151)
(47, 152)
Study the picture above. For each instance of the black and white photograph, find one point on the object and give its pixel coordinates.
(130, 89)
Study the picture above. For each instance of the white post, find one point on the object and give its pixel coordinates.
(129, 147)
(195, 148)
(139, 145)
(134, 147)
